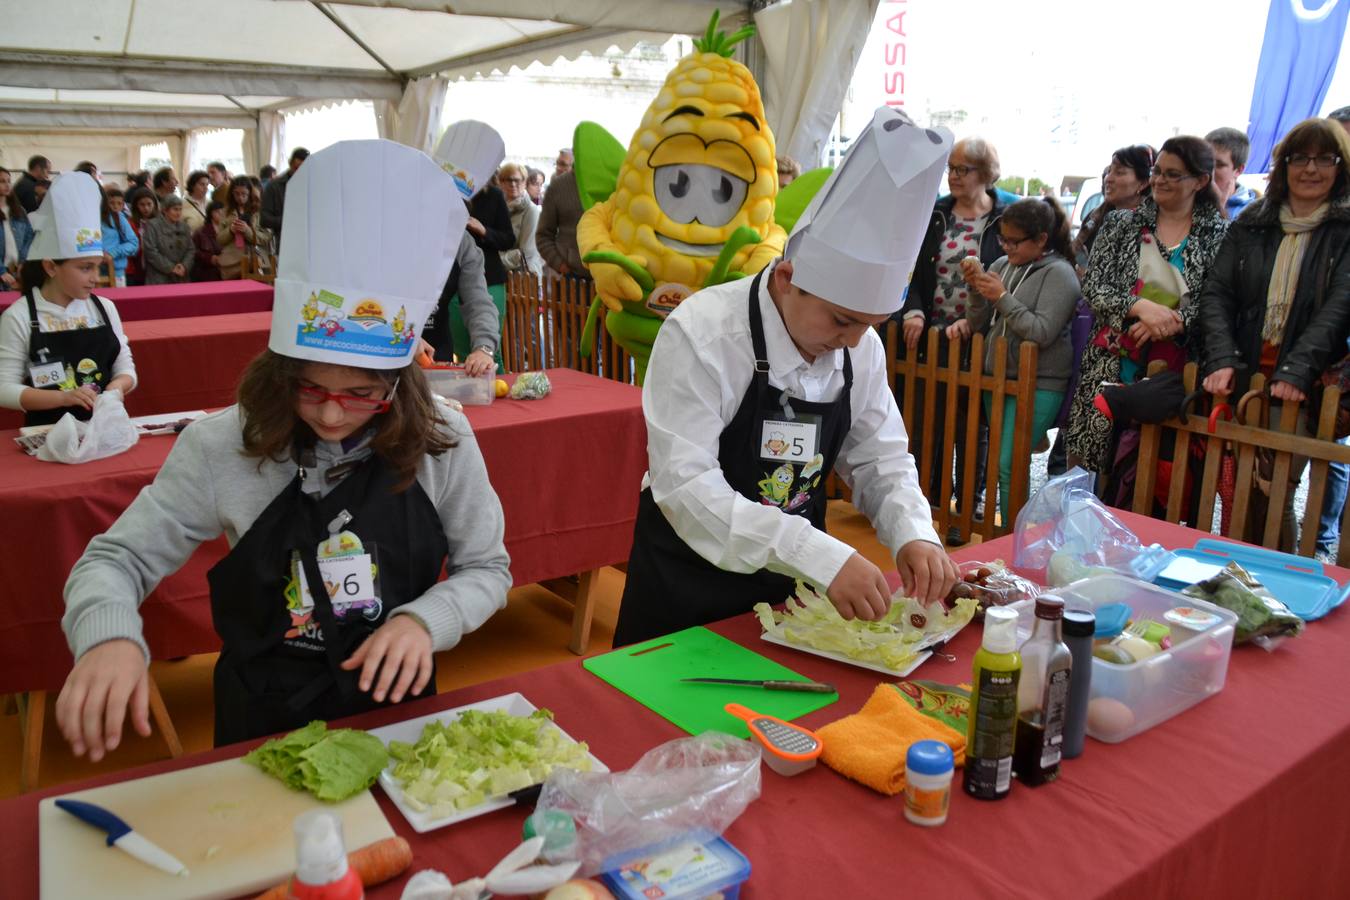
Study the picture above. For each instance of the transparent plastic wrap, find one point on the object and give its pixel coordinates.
(1068, 533)
(531, 386)
(1262, 619)
(107, 433)
(684, 785)
(992, 584)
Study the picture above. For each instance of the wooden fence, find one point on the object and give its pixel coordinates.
(544, 322)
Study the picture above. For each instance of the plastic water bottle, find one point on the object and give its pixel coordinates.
(321, 870)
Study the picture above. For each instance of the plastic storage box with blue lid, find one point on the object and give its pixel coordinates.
(691, 866)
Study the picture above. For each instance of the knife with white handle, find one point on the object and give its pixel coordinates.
(123, 836)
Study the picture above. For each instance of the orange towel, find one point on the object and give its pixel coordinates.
(870, 745)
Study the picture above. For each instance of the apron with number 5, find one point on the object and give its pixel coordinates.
(371, 548)
(776, 451)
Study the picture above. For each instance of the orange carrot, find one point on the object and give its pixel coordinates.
(375, 863)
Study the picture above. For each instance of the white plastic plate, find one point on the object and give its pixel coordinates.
(410, 730)
(875, 667)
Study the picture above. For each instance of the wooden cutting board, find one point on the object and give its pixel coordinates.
(230, 824)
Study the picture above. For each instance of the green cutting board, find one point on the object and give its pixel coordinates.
(650, 673)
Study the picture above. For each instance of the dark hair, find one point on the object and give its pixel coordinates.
(12, 209)
(267, 172)
(1340, 115)
(35, 162)
(134, 198)
(532, 175)
(299, 154)
(195, 177)
(138, 179)
(87, 167)
(1310, 136)
(217, 164)
(32, 274)
(1044, 216)
(1138, 158)
(212, 207)
(403, 435)
(235, 182)
(1198, 157)
(162, 176)
(1234, 141)
(105, 213)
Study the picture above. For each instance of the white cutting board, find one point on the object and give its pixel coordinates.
(229, 809)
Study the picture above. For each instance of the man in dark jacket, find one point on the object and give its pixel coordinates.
(38, 175)
(274, 198)
(556, 234)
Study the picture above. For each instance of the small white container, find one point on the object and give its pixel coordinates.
(454, 384)
(929, 767)
(1129, 699)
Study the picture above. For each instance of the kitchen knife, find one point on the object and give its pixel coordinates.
(123, 836)
(814, 687)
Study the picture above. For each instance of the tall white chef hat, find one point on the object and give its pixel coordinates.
(67, 222)
(470, 152)
(856, 243)
(371, 233)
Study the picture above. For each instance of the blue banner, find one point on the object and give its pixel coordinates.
(1298, 57)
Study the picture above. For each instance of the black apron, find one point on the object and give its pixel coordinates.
(670, 587)
(279, 666)
(87, 354)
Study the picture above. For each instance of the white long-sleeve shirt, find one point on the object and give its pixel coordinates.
(700, 369)
(15, 329)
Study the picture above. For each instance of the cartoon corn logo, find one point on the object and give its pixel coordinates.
(691, 203)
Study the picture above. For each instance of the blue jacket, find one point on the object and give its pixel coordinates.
(1238, 202)
(120, 241)
(23, 237)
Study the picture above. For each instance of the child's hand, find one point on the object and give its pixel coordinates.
(403, 645)
(82, 397)
(106, 681)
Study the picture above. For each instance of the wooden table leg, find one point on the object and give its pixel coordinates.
(32, 708)
(160, 713)
(577, 591)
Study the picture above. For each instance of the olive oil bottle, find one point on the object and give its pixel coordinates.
(993, 708)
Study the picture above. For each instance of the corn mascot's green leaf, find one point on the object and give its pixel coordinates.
(692, 202)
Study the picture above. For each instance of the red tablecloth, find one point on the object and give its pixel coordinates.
(186, 364)
(567, 469)
(1243, 796)
(173, 301)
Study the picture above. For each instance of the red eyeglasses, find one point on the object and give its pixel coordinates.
(349, 402)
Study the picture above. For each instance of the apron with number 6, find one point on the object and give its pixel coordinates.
(776, 451)
(371, 549)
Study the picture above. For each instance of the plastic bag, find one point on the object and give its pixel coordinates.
(107, 433)
(701, 782)
(531, 386)
(1262, 619)
(992, 584)
(1068, 533)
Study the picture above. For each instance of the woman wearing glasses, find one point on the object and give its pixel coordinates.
(1143, 282)
(344, 488)
(524, 217)
(964, 224)
(1278, 301)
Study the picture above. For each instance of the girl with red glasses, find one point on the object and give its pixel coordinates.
(338, 479)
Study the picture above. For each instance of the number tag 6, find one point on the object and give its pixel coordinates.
(347, 579)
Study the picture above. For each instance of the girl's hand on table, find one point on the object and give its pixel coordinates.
(93, 703)
(82, 397)
(403, 645)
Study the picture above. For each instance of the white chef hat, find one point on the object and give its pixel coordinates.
(67, 222)
(371, 233)
(857, 242)
(470, 152)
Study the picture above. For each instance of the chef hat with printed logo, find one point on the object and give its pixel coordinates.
(470, 152)
(371, 230)
(66, 224)
(858, 240)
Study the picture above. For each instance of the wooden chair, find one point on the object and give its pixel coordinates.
(912, 380)
(259, 265)
(107, 274)
(1241, 432)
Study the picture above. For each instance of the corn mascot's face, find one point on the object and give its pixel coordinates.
(700, 166)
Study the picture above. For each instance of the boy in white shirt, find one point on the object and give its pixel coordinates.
(758, 389)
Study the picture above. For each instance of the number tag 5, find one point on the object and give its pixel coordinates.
(782, 441)
(347, 579)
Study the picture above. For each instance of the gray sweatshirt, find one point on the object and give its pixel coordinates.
(476, 306)
(207, 487)
(1039, 303)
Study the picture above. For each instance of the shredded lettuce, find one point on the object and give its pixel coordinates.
(460, 764)
(331, 765)
(893, 641)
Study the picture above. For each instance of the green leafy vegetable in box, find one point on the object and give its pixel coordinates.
(331, 765)
(1261, 617)
(810, 619)
(482, 754)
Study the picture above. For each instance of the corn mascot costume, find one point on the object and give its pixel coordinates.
(692, 202)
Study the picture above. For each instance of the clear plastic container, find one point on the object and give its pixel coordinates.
(454, 384)
(1128, 699)
(689, 867)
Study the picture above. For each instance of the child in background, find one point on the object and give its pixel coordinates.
(60, 346)
(120, 242)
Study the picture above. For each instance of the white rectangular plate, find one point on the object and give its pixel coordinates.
(875, 667)
(410, 730)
